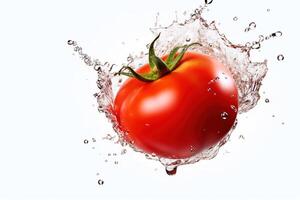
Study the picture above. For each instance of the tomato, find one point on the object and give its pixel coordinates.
(183, 112)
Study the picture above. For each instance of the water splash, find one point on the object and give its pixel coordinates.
(248, 74)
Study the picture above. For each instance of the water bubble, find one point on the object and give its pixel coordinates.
(267, 100)
(224, 115)
(85, 141)
(100, 182)
(70, 42)
(171, 170)
(280, 57)
(208, 1)
(235, 18)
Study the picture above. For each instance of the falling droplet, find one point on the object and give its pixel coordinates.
(251, 26)
(241, 137)
(123, 151)
(114, 154)
(116, 162)
(93, 139)
(235, 18)
(268, 10)
(85, 141)
(273, 115)
(224, 115)
(171, 170)
(280, 57)
(100, 182)
(70, 42)
(267, 100)
(282, 123)
(208, 1)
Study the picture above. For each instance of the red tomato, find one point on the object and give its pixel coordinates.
(182, 113)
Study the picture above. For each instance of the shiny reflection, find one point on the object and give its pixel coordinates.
(162, 101)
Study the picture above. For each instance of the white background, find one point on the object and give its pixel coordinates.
(47, 108)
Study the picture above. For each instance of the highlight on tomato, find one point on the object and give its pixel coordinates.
(178, 105)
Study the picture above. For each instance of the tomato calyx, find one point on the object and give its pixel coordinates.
(159, 67)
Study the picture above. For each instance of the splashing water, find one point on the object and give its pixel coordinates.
(248, 75)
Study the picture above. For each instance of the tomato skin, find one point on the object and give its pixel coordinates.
(181, 114)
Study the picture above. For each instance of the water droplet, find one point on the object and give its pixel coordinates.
(116, 162)
(276, 34)
(171, 170)
(123, 151)
(241, 137)
(114, 154)
(267, 100)
(268, 10)
(233, 108)
(188, 39)
(251, 26)
(209, 90)
(255, 45)
(105, 160)
(109, 154)
(93, 147)
(208, 1)
(93, 139)
(85, 141)
(224, 115)
(70, 42)
(100, 182)
(97, 174)
(192, 149)
(282, 123)
(235, 18)
(273, 115)
(280, 57)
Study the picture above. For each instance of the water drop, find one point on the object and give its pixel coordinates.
(114, 154)
(280, 57)
(224, 115)
(267, 100)
(282, 123)
(251, 26)
(93, 139)
(208, 1)
(255, 45)
(171, 170)
(123, 151)
(188, 39)
(233, 108)
(273, 115)
(100, 182)
(109, 154)
(241, 137)
(85, 141)
(268, 10)
(235, 18)
(116, 162)
(70, 42)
